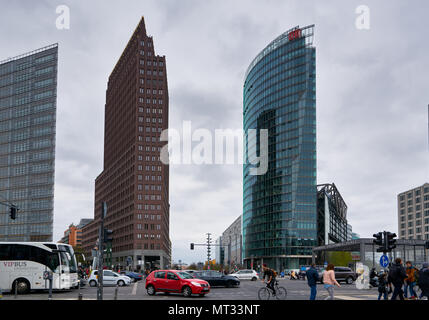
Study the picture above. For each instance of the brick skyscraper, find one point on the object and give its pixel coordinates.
(134, 182)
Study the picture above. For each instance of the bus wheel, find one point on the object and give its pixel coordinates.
(22, 286)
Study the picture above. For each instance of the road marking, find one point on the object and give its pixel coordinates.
(355, 298)
(134, 292)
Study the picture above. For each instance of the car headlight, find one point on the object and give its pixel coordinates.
(197, 284)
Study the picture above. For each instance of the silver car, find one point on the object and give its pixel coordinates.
(110, 278)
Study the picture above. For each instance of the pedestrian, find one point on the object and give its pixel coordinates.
(397, 275)
(312, 278)
(410, 281)
(383, 286)
(423, 280)
(329, 281)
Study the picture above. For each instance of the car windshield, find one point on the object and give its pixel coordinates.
(185, 275)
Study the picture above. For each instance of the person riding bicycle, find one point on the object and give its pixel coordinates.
(271, 275)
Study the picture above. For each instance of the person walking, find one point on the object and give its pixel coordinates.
(329, 281)
(410, 281)
(423, 280)
(312, 278)
(397, 275)
(383, 286)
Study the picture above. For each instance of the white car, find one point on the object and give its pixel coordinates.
(110, 278)
(246, 275)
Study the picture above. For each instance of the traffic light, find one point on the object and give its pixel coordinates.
(192, 246)
(390, 241)
(13, 211)
(427, 244)
(108, 235)
(378, 241)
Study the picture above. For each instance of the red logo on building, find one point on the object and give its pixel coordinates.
(294, 34)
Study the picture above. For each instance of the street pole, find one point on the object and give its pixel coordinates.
(101, 251)
(208, 250)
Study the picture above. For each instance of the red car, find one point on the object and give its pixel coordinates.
(175, 282)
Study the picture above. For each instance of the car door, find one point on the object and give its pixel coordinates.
(218, 278)
(339, 274)
(173, 282)
(108, 278)
(159, 281)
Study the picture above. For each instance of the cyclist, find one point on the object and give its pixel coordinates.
(271, 275)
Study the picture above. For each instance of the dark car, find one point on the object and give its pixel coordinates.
(345, 274)
(217, 279)
(133, 275)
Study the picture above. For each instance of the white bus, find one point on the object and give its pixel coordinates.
(22, 264)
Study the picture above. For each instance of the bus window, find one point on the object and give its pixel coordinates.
(5, 252)
(64, 262)
(20, 252)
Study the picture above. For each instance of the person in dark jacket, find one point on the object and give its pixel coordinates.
(312, 278)
(423, 280)
(382, 286)
(397, 275)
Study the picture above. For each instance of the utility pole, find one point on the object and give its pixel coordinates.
(101, 251)
(209, 242)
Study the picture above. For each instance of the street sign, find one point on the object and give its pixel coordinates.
(384, 261)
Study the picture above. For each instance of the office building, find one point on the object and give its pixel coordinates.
(231, 241)
(134, 182)
(332, 226)
(28, 103)
(413, 213)
(279, 207)
(73, 234)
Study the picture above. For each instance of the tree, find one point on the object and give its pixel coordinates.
(193, 266)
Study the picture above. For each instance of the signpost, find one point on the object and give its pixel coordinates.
(384, 261)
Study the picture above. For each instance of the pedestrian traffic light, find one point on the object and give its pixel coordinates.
(390, 241)
(108, 235)
(192, 246)
(378, 241)
(12, 211)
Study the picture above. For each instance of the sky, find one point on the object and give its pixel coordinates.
(372, 97)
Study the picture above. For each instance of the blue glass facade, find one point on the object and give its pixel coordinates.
(279, 207)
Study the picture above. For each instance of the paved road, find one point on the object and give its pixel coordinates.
(297, 290)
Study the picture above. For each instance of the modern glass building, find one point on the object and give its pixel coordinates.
(279, 207)
(332, 216)
(28, 94)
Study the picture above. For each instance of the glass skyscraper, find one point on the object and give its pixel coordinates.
(279, 207)
(28, 92)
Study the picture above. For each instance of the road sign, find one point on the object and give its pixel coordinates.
(384, 261)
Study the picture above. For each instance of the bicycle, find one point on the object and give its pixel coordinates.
(266, 293)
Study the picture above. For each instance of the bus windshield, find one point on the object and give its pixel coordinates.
(68, 259)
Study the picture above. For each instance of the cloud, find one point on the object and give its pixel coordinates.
(371, 97)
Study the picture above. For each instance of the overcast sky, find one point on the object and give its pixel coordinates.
(372, 97)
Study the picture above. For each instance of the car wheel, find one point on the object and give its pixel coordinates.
(121, 283)
(349, 280)
(229, 284)
(151, 290)
(22, 286)
(202, 294)
(92, 283)
(254, 279)
(187, 291)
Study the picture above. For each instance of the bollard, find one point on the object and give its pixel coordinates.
(16, 289)
(116, 292)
